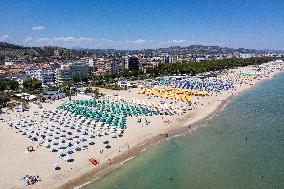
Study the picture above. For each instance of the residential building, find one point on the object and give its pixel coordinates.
(34, 72)
(114, 68)
(67, 71)
(124, 64)
(90, 62)
(46, 75)
(103, 66)
(132, 63)
(10, 62)
(168, 59)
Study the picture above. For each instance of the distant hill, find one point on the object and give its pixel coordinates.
(201, 49)
(46, 53)
(193, 49)
(35, 54)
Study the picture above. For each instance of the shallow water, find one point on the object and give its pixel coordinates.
(242, 147)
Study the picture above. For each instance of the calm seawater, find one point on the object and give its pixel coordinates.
(242, 147)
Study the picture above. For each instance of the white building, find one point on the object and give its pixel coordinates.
(168, 59)
(90, 62)
(67, 71)
(246, 55)
(10, 62)
(52, 95)
(45, 75)
(34, 72)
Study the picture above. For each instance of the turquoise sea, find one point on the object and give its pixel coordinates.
(242, 147)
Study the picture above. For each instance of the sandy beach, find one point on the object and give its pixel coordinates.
(16, 161)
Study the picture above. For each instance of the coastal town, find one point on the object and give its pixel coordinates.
(59, 113)
(155, 94)
(62, 65)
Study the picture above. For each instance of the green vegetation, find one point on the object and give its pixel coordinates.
(4, 99)
(7, 84)
(32, 84)
(130, 74)
(108, 80)
(66, 87)
(76, 79)
(199, 67)
(36, 54)
(95, 92)
(190, 68)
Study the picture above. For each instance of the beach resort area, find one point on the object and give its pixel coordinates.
(63, 143)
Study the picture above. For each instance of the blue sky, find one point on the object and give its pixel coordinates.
(133, 24)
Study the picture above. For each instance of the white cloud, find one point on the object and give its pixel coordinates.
(72, 39)
(84, 39)
(37, 28)
(29, 39)
(175, 42)
(43, 40)
(139, 41)
(4, 37)
(65, 39)
(85, 42)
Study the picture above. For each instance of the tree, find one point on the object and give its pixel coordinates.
(3, 85)
(97, 79)
(88, 90)
(32, 84)
(14, 85)
(84, 79)
(97, 93)
(9, 85)
(199, 67)
(4, 99)
(65, 87)
(76, 78)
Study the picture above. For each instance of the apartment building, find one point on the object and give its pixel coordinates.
(103, 66)
(67, 71)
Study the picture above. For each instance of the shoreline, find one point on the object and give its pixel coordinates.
(105, 169)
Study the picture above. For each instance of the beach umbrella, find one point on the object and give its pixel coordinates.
(113, 135)
(56, 166)
(54, 149)
(78, 147)
(69, 158)
(91, 141)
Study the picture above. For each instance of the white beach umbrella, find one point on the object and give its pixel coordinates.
(91, 141)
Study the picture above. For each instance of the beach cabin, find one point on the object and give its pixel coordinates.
(127, 84)
(26, 96)
(178, 77)
(52, 95)
(122, 84)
